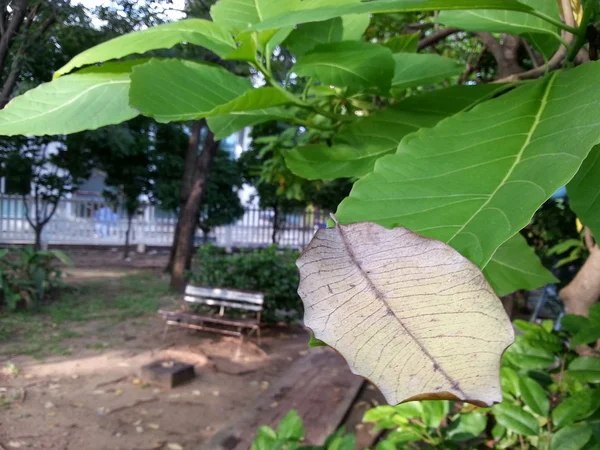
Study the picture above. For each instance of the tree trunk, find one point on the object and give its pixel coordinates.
(189, 174)
(188, 217)
(584, 290)
(37, 245)
(127, 233)
(275, 224)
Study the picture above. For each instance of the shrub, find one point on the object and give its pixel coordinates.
(28, 276)
(270, 270)
(551, 398)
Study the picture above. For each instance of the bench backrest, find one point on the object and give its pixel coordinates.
(224, 298)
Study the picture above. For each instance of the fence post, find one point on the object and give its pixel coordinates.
(228, 241)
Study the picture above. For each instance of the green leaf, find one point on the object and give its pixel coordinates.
(353, 65)
(223, 126)
(379, 413)
(194, 31)
(509, 379)
(541, 339)
(346, 442)
(577, 407)
(434, 412)
(239, 15)
(585, 369)
(525, 326)
(516, 419)
(177, 90)
(403, 436)
(255, 99)
(409, 409)
(584, 192)
(515, 266)
(535, 396)
(573, 437)
(290, 427)
(467, 426)
(308, 36)
(90, 99)
(512, 22)
(355, 26)
(358, 146)
(568, 244)
(588, 334)
(385, 445)
(247, 47)
(62, 257)
(404, 43)
(314, 342)
(524, 356)
(421, 69)
(318, 14)
(501, 150)
(574, 323)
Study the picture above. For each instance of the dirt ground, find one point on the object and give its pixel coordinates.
(93, 398)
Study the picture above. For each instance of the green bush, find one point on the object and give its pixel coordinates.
(290, 433)
(551, 401)
(270, 270)
(28, 276)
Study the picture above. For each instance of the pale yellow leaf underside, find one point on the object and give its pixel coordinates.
(409, 313)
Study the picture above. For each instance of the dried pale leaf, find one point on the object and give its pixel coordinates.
(409, 313)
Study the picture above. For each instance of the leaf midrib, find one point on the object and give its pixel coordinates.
(79, 95)
(381, 296)
(535, 124)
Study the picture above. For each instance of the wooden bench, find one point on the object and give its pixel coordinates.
(222, 299)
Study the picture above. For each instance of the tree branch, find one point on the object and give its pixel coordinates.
(589, 239)
(470, 68)
(18, 16)
(435, 37)
(506, 54)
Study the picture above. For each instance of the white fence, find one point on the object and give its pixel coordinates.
(91, 221)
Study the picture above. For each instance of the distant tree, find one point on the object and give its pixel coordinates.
(263, 166)
(221, 204)
(124, 153)
(42, 171)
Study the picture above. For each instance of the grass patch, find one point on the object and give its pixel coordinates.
(112, 301)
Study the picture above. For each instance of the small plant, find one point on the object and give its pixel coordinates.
(551, 398)
(290, 433)
(27, 276)
(269, 270)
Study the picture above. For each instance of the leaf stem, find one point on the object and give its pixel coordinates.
(558, 23)
(580, 36)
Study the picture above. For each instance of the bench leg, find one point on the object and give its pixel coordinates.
(238, 351)
(258, 336)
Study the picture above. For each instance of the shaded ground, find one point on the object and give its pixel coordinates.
(69, 375)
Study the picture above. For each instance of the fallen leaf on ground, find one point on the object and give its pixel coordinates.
(153, 426)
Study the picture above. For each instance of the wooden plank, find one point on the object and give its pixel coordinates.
(319, 386)
(225, 294)
(211, 302)
(197, 318)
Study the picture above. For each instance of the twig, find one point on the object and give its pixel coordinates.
(470, 68)
(133, 405)
(435, 37)
(116, 380)
(531, 54)
(567, 10)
